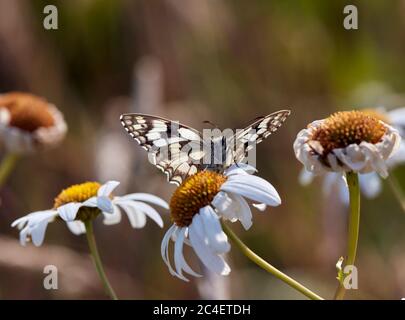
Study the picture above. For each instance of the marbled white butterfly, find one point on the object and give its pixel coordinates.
(181, 151)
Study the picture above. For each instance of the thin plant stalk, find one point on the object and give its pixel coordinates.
(6, 167)
(267, 266)
(97, 261)
(354, 227)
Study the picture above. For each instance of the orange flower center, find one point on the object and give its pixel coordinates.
(348, 127)
(193, 194)
(27, 112)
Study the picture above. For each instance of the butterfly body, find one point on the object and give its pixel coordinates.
(181, 151)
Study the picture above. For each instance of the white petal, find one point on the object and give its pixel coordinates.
(233, 207)
(105, 204)
(147, 198)
(178, 256)
(150, 212)
(92, 202)
(135, 216)
(69, 211)
(216, 237)
(35, 226)
(164, 248)
(254, 188)
(211, 260)
(260, 206)
(305, 177)
(112, 218)
(370, 184)
(76, 227)
(106, 189)
(240, 168)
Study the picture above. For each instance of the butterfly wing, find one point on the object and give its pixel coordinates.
(174, 148)
(245, 140)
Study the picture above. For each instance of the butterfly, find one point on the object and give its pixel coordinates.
(181, 151)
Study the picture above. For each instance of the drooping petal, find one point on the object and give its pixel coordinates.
(135, 216)
(216, 237)
(35, 226)
(112, 218)
(76, 227)
(69, 211)
(370, 184)
(178, 256)
(106, 189)
(260, 206)
(244, 213)
(305, 177)
(233, 207)
(211, 260)
(149, 211)
(164, 248)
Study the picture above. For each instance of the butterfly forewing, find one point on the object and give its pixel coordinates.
(245, 140)
(173, 147)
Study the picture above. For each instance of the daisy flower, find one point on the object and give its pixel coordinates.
(196, 208)
(83, 202)
(349, 141)
(370, 183)
(28, 123)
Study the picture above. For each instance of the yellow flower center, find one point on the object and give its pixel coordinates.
(27, 112)
(79, 193)
(348, 127)
(194, 193)
(377, 115)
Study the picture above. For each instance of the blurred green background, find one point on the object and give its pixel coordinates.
(224, 61)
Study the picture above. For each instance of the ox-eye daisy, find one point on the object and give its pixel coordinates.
(370, 183)
(80, 204)
(196, 208)
(350, 142)
(27, 123)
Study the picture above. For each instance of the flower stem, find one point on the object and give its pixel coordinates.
(397, 190)
(354, 224)
(268, 267)
(97, 261)
(7, 165)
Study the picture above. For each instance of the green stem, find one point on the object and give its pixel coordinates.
(268, 267)
(397, 190)
(97, 261)
(7, 166)
(354, 225)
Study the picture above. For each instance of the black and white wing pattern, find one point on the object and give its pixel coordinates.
(172, 147)
(245, 140)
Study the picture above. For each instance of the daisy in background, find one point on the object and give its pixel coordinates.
(27, 124)
(370, 183)
(80, 204)
(349, 143)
